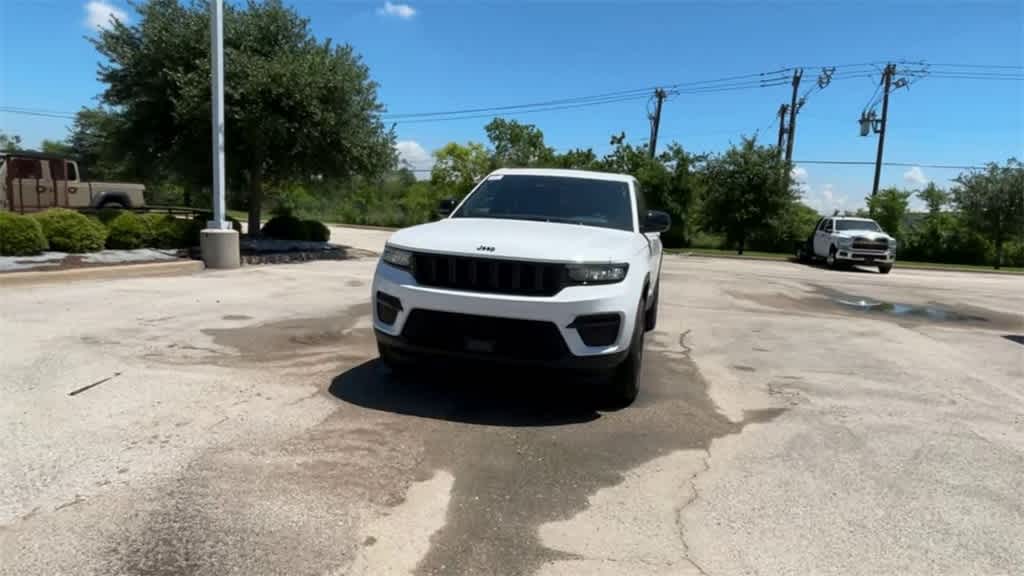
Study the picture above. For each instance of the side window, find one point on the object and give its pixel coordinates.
(57, 169)
(830, 226)
(26, 168)
(821, 227)
(72, 171)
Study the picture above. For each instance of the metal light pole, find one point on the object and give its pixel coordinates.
(219, 242)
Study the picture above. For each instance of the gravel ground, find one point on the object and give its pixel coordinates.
(238, 423)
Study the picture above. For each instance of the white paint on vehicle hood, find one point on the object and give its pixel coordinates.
(521, 239)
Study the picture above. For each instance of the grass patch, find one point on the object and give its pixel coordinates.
(779, 256)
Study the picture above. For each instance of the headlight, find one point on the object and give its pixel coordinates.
(892, 243)
(597, 273)
(845, 242)
(397, 257)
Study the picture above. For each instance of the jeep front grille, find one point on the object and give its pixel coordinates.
(488, 274)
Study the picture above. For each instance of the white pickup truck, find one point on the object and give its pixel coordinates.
(840, 240)
(556, 268)
(33, 181)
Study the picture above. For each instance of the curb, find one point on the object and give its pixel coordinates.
(102, 272)
(362, 227)
(792, 260)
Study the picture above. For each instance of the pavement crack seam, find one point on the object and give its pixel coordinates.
(679, 512)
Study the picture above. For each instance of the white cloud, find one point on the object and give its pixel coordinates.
(98, 14)
(412, 155)
(403, 11)
(799, 174)
(915, 176)
(826, 201)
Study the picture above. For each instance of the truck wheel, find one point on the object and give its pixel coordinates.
(624, 384)
(651, 315)
(885, 268)
(111, 205)
(400, 367)
(831, 259)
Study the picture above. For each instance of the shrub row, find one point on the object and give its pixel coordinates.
(65, 230)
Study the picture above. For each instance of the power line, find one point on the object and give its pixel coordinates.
(895, 164)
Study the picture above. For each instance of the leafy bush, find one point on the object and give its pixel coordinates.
(284, 227)
(128, 231)
(69, 231)
(20, 235)
(315, 231)
(105, 215)
(288, 227)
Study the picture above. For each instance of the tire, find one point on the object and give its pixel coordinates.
(623, 386)
(111, 205)
(801, 254)
(884, 268)
(400, 367)
(831, 259)
(651, 315)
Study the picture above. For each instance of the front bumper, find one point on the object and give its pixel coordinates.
(560, 310)
(866, 256)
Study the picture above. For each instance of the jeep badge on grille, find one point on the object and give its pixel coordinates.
(482, 248)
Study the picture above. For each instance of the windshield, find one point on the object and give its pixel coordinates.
(857, 225)
(584, 201)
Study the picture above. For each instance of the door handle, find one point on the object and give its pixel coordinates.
(40, 189)
(72, 189)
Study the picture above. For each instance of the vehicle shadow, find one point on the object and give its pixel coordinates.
(472, 396)
(844, 268)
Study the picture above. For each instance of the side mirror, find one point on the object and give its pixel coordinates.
(656, 221)
(446, 207)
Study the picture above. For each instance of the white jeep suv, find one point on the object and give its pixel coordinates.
(544, 267)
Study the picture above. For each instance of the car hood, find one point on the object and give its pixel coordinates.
(520, 239)
(869, 234)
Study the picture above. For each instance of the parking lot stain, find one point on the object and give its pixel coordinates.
(527, 448)
(288, 339)
(236, 317)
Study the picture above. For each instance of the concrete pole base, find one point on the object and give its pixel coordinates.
(220, 248)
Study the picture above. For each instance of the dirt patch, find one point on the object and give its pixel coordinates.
(530, 448)
(292, 338)
(829, 301)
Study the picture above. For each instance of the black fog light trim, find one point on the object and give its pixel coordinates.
(597, 329)
(388, 308)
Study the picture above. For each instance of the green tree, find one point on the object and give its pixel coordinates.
(576, 159)
(888, 208)
(92, 144)
(295, 107)
(991, 202)
(746, 188)
(59, 147)
(933, 197)
(517, 145)
(9, 143)
(457, 168)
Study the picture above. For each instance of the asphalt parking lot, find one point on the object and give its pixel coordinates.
(792, 420)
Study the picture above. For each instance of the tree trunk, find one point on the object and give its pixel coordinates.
(742, 241)
(999, 252)
(255, 201)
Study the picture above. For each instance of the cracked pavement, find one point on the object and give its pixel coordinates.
(249, 430)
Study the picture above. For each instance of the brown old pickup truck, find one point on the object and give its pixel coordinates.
(33, 181)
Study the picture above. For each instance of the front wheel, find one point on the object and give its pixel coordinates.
(400, 367)
(624, 385)
(885, 268)
(831, 259)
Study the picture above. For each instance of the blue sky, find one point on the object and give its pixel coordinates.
(430, 56)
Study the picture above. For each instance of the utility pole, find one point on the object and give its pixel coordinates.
(659, 95)
(782, 126)
(793, 106)
(890, 71)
